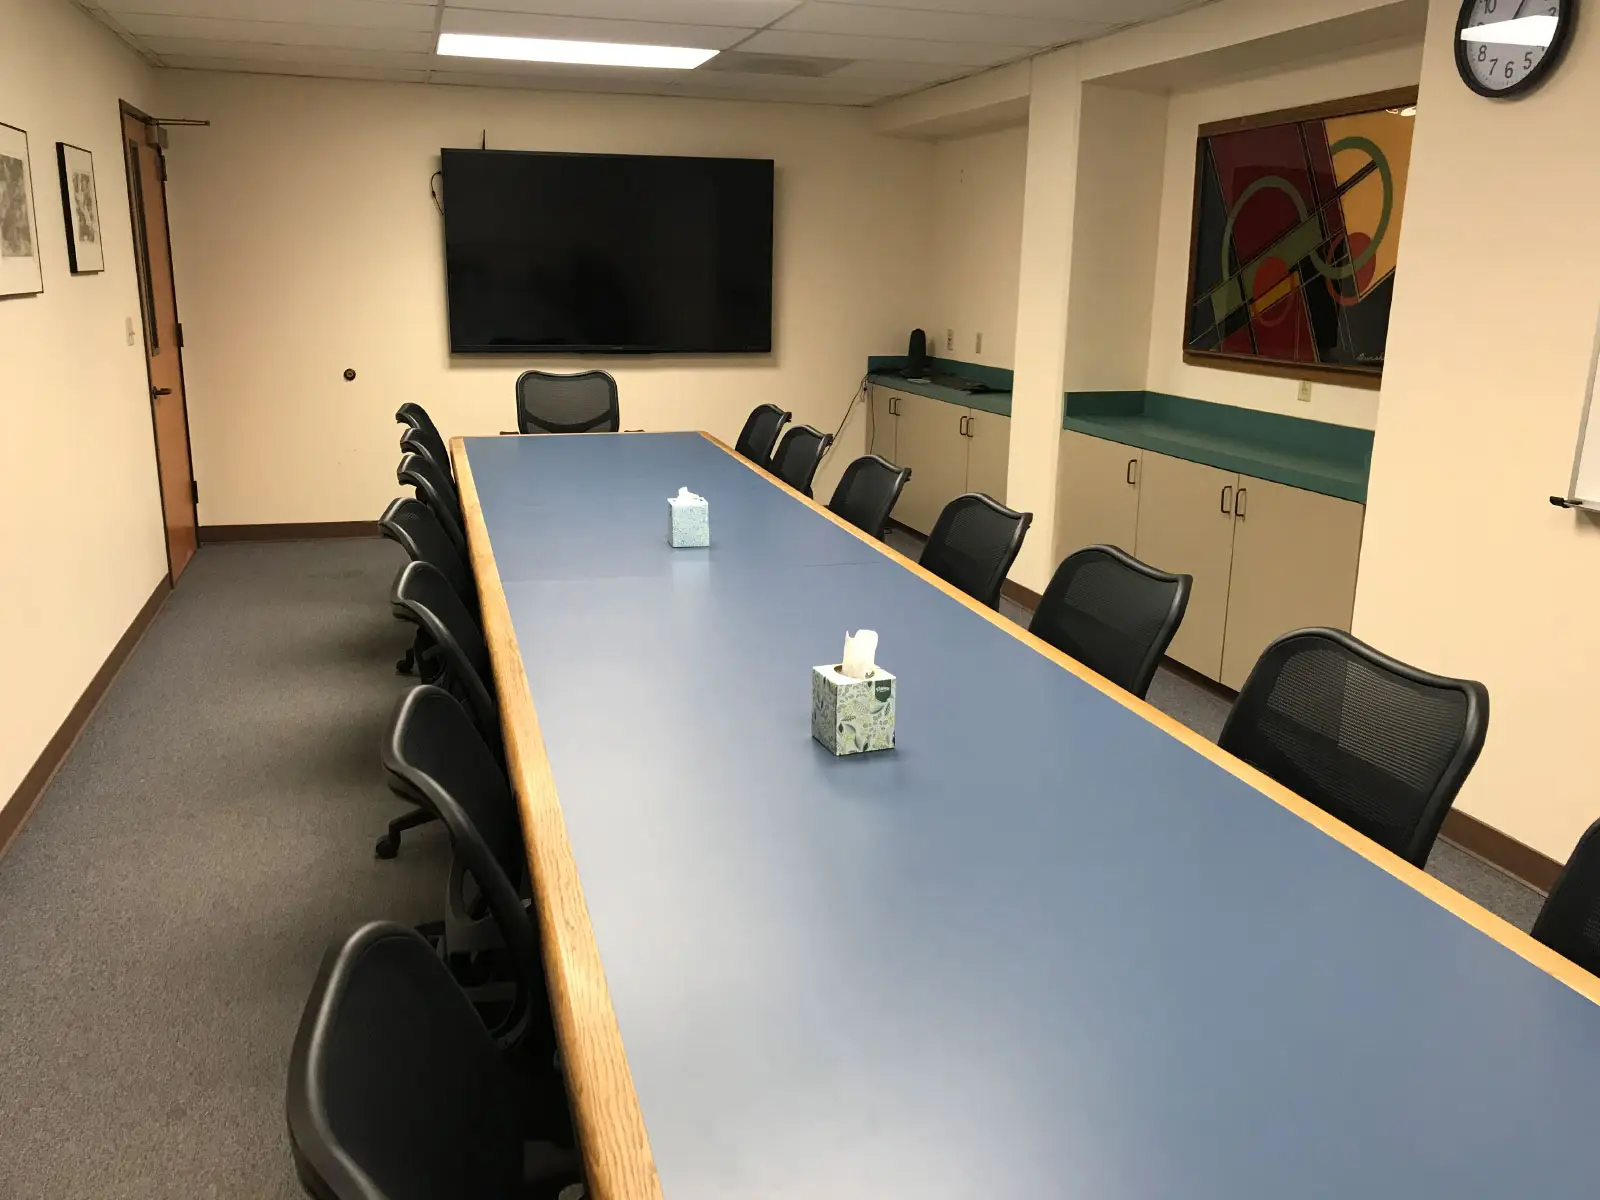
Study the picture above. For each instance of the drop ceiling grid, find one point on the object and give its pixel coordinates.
(891, 46)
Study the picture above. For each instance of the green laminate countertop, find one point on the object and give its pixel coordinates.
(997, 401)
(1319, 457)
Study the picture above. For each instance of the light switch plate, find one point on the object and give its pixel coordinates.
(1305, 391)
(133, 336)
(949, 339)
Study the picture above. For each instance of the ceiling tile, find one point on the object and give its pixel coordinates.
(1109, 12)
(333, 56)
(184, 62)
(837, 45)
(352, 14)
(912, 74)
(273, 33)
(589, 29)
(658, 84)
(875, 21)
(738, 14)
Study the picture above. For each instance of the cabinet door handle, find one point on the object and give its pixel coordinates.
(894, 406)
(1227, 505)
(1132, 462)
(1238, 503)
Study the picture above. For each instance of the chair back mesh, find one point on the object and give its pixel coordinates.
(1113, 613)
(867, 493)
(1379, 744)
(760, 432)
(424, 597)
(973, 544)
(439, 495)
(415, 441)
(1569, 922)
(581, 403)
(413, 525)
(799, 455)
(396, 1091)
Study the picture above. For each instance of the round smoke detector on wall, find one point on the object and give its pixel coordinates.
(1506, 48)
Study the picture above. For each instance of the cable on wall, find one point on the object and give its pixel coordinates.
(437, 203)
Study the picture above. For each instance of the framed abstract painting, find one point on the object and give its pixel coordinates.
(20, 274)
(1296, 237)
(79, 202)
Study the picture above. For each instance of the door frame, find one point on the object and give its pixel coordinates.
(146, 301)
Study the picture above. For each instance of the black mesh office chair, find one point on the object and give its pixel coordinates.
(1113, 613)
(799, 455)
(973, 544)
(422, 429)
(413, 442)
(437, 493)
(433, 746)
(581, 403)
(760, 433)
(451, 654)
(867, 493)
(396, 1091)
(1569, 922)
(1379, 744)
(413, 525)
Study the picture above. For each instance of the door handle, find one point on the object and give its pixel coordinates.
(1238, 502)
(961, 426)
(1227, 505)
(1132, 462)
(155, 391)
(894, 406)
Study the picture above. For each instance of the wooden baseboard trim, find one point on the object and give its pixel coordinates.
(1500, 850)
(296, 531)
(26, 797)
(1017, 594)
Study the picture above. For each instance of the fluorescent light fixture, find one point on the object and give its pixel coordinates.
(597, 54)
(1524, 31)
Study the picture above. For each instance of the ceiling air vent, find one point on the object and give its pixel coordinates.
(744, 63)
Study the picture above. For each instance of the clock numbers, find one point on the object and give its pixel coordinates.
(1504, 43)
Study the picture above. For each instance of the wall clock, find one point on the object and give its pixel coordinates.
(1505, 48)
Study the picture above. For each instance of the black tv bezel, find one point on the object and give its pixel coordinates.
(548, 350)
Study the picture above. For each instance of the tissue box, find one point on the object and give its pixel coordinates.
(852, 716)
(688, 522)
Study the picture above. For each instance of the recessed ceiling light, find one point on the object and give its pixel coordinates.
(598, 54)
(1522, 31)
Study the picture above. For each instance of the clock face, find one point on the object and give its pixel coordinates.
(1505, 47)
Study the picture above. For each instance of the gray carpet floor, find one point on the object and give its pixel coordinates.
(164, 912)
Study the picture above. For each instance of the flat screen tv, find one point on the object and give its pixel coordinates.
(607, 253)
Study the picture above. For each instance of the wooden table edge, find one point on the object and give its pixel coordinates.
(610, 1125)
(1474, 914)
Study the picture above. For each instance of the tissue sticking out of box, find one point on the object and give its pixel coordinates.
(685, 496)
(860, 654)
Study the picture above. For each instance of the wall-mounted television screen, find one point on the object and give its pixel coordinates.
(607, 253)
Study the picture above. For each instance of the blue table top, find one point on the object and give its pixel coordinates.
(1042, 948)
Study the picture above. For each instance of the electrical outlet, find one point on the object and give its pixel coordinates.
(977, 344)
(132, 334)
(1305, 391)
(949, 339)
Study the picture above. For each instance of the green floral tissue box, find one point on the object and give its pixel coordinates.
(852, 716)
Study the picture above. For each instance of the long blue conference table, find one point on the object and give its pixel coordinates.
(1048, 946)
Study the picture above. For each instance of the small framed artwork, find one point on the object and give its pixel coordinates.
(20, 274)
(85, 250)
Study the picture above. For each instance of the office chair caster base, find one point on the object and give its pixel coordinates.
(387, 847)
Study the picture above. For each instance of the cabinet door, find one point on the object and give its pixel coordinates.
(988, 453)
(928, 440)
(884, 422)
(1098, 501)
(1294, 564)
(1186, 525)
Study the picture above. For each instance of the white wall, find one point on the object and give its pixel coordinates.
(977, 244)
(1465, 568)
(83, 548)
(1167, 372)
(306, 243)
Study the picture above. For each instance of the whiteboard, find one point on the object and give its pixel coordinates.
(1584, 490)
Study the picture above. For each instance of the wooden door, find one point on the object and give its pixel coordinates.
(1098, 501)
(928, 439)
(1294, 564)
(884, 421)
(1186, 525)
(988, 453)
(152, 248)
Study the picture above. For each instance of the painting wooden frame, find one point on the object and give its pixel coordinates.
(1292, 255)
(80, 209)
